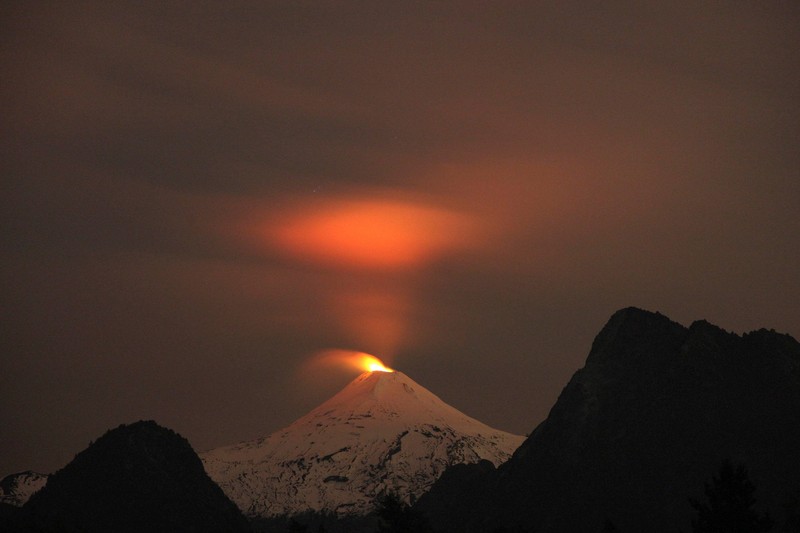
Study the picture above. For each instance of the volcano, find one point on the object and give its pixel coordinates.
(383, 433)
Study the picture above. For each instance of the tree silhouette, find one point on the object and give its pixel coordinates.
(729, 504)
(791, 508)
(297, 527)
(394, 516)
(609, 527)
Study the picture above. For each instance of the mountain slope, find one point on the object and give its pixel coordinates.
(16, 489)
(639, 429)
(139, 477)
(382, 432)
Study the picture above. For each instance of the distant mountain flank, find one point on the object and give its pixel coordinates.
(383, 433)
(16, 489)
(638, 430)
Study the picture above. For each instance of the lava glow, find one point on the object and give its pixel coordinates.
(348, 359)
(373, 364)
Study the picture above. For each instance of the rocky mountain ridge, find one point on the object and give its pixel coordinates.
(636, 432)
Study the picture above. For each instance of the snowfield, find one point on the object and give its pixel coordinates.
(382, 432)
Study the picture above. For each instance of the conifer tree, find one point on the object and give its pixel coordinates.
(394, 516)
(729, 505)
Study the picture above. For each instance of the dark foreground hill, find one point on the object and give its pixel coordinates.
(138, 477)
(637, 431)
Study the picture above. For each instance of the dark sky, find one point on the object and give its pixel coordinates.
(197, 197)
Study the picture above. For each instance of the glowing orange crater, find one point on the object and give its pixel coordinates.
(360, 361)
(371, 363)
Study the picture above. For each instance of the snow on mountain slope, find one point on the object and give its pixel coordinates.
(382, 432)
(16, 489)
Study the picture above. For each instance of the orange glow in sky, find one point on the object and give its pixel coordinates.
(350, 359)
(377, 234)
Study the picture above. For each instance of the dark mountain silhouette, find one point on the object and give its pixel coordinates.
(137, 477)
(638, 430)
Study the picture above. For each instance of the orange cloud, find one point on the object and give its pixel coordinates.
(368, 250)
(371, 233)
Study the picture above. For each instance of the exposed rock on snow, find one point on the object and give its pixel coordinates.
(16, 489)
(383, 432)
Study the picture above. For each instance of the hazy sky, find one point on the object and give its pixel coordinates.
(197, 197)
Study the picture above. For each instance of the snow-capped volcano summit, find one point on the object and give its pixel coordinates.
(382, 432)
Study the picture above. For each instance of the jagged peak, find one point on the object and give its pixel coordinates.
(706, 327)
(706, 340)
(629, 327)
(632, 317)
(633, 336)
(764, 334)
